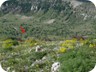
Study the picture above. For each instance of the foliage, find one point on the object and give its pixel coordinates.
(74, 42)
(37, 26)
(62, 50)
(25, 58)
(9, 43)
(31, 42)
(78, 60)
(52, 21)
(67, 20)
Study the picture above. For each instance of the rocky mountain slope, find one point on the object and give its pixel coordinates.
(52, 18)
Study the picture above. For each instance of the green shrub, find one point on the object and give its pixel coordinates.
(78, 60)
(9, 43)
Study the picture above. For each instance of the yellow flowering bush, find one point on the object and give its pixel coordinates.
(83, 42)
(69, 43)
(62, 50)
(92, 43)
(72, 43)
(9, 43)
(30, 42)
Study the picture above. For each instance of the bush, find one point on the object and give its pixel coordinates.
(72, 43)
(31, 42)
(9, 43)
(62, 50)
(78, 60)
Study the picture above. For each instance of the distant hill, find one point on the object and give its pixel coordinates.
(52, 19)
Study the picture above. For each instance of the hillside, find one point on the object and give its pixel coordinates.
(52, 18)
(47, 36)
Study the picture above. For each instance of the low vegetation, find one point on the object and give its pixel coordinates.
(35, 35)
(73, 55)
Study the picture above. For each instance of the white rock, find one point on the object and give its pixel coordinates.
(55, 67)
(1, 2)
(8, 68)
(38, 48)
(44, 58)
(1, 69)
(94, 69)
(93, 1)
(13, 71)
